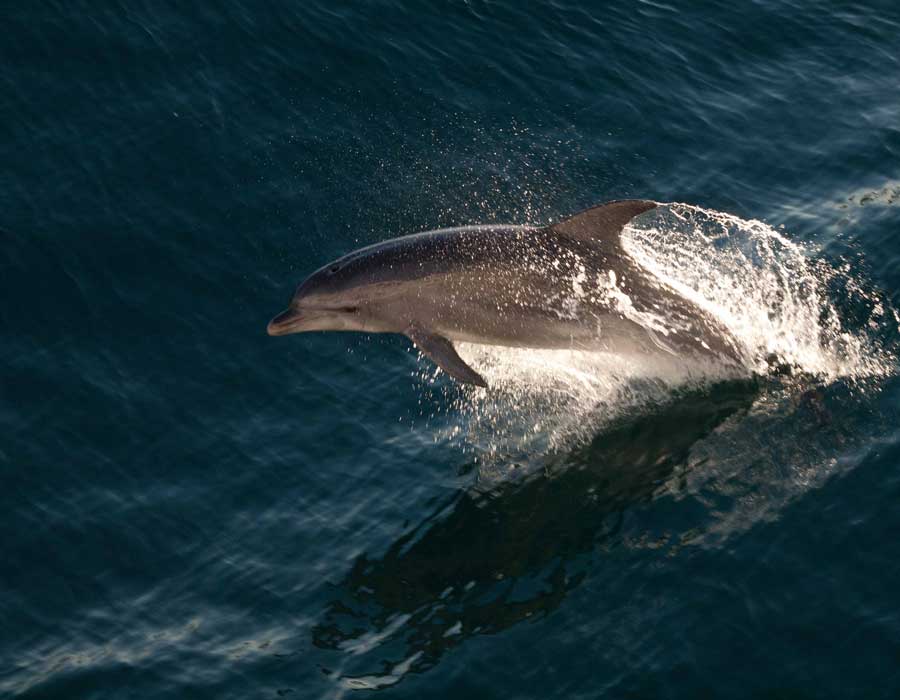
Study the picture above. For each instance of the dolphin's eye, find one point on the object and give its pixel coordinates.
(334, 268)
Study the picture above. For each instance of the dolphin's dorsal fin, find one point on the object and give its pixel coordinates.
(441, 351)
(605, 221)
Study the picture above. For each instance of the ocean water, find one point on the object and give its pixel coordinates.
(192, 509)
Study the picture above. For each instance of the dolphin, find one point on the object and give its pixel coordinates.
(566, 285)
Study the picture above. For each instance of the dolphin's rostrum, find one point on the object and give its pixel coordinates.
(567, 285)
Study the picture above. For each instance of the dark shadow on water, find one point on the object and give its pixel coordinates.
(485, 561)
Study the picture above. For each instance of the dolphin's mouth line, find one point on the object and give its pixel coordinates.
(340, 309)
(292, 319)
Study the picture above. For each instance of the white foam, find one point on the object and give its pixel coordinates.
(764, 288)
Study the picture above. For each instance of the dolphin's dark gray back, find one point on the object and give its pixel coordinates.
(412, 257)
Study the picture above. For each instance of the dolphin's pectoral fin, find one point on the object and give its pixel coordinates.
(441, 351)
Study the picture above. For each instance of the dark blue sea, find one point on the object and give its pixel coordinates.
(190, 508)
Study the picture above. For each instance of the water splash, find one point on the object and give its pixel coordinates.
(543, 401)
(768, 291)
(785, 307)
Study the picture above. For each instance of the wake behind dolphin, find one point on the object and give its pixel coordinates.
(567, 285)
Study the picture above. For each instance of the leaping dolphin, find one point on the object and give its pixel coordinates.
(567, 285)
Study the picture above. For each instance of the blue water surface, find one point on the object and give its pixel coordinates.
(191, 509)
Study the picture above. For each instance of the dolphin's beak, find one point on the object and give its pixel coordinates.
(288, 321)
